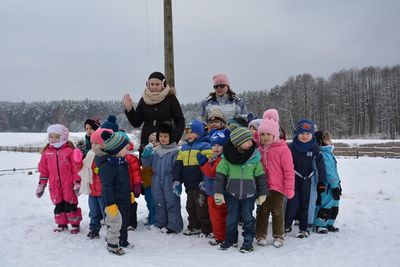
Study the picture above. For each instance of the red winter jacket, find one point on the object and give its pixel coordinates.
(59, 167)
(95, 187)
(134, 171)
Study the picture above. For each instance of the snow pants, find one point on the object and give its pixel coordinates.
(217, 218)
(274, 206)
(299, 204)
(197, 209)
(65, 213)
(150, 205)
(326, 214)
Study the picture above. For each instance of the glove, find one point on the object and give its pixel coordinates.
(137, 188)
(148, 151)
(321, 187)
(202, 159)
(336, 193)
(202, 186)
(76, 188)
(77, 155)
(112, 210)
(40, 190)
(177, 188)
(133, 199)
(261, 199)
(219, 199)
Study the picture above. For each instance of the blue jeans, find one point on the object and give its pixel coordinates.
(96, 213)
(240, 208)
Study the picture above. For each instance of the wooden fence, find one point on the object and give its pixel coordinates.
(20, 148)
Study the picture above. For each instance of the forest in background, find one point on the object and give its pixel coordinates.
(351, 103)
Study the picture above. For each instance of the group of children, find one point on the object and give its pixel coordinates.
(225, 169)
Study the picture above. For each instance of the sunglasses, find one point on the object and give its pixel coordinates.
(219, 86)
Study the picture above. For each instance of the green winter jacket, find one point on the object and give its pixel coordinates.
(242, 181)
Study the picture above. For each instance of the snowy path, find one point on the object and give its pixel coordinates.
(367, 220)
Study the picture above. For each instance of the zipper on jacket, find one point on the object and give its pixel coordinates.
(58, 168)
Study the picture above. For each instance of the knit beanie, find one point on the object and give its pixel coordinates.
(269, 126)
(303, 126)
(93, 122)
(157, 75)
(219, 137)
(111, 123)
(271, 114)
(255, 123)
(216, 115)
(114, 142)
(238, 121)
(166, 127)
(62, 131)
(197, 127)
(96, 138)
(221, 79)
(240, 135)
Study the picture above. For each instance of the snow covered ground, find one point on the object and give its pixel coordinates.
(368, 236)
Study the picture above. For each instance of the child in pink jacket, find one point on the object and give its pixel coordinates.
(58, 168)
(277, 161)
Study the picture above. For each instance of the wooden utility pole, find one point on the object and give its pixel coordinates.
(168, 44)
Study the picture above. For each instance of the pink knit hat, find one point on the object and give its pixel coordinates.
(271, 114)
(270, 123)
(96, 138)
(221, 79)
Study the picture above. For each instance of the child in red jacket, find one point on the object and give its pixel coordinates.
(58, 168)
(136, 186)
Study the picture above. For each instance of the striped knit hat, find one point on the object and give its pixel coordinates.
(303, 126)
(240, 135)
(93, 122)
(114, 142)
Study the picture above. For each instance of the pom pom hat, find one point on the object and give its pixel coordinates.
(96, 138)
(114, 142)
(111, 123)
(270, 124)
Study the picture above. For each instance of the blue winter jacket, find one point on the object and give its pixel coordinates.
(115, 182)
(332, 176)
(303, 163)
(187, 169)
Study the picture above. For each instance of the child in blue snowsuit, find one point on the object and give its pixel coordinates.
(308, 162)
(328, 201)
(162, 158)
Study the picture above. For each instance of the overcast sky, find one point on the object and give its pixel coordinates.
(100, 49)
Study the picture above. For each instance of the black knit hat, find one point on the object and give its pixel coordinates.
(166, 127)
(157, 75)
(93, 122)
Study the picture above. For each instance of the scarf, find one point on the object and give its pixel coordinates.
(304, 147)
(152, 98)
(86, 173)
(162, 150)
(234, 156)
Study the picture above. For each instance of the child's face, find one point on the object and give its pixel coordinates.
(54, 138)
(214, 125)
(123, 152)
(155, 85)
(252, 129)
(246, 145)
(217, 149)
(328, 141)
(266, 138)
(89, 130)
(164, 138)
(305, 137)
(153, 141)
(191, 136)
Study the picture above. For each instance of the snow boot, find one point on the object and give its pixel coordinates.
(332, 228)
(75, 229)
(192, 232)
(303, 234)
(117, 250)
(246, 248)
(214, 242)
(320, 230)
(261, 241)
(93, 235)
(60, 228)
(278, 242)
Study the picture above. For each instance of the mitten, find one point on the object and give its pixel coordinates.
(133, 199)
(202, 159)
(137, 188)
(321, 187)
(77, 155)
(76, 188)
(261, 199)
(202, 186)
(40, 190)
(112, 210)
(336, 193)
(219, 199)
(148, 150)
(177, 188)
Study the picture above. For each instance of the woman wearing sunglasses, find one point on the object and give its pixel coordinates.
(224, 99)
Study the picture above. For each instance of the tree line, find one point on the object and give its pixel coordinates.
(350, 103)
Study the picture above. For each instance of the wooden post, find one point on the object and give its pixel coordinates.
(168, 44)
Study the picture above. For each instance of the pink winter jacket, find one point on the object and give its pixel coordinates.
(278, 165)
(62, 172)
